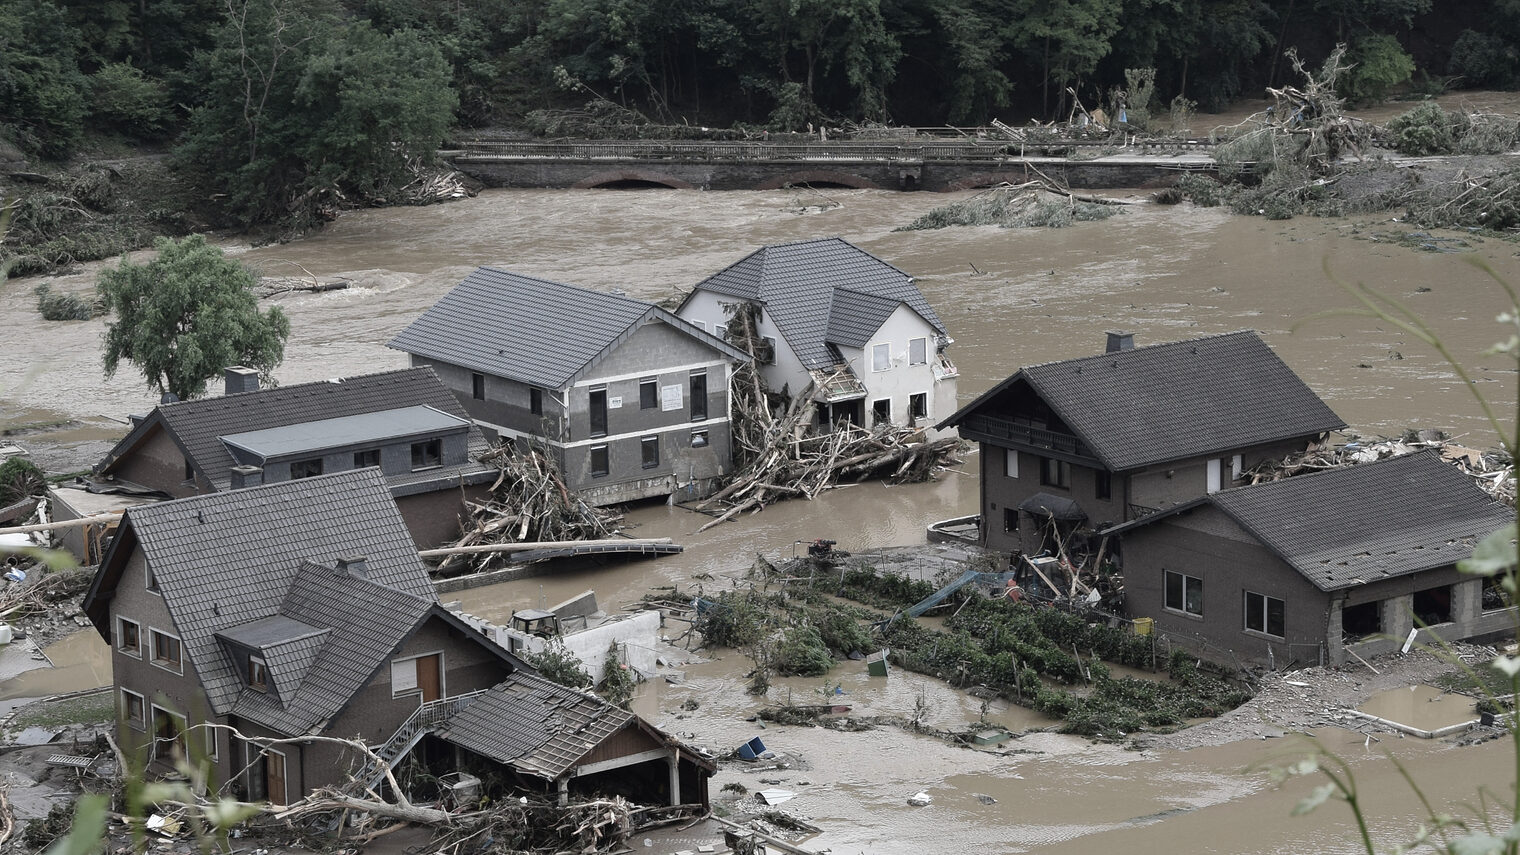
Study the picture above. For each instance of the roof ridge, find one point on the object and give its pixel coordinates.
(585, 288)
(269, 390)
(1145, 348)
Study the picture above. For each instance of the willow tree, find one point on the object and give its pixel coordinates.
(187, 315)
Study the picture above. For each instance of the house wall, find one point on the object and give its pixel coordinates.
(506, 408)
(1183, 480)
(903, 380)
(395, 456)
(158, 463)
(635, 637)
(179, 693)
(1206, 544)
(785, 370)
(375, 712)
(434, 518)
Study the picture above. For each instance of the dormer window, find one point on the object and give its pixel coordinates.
(258, 674)
(306, 468)
(427, 453)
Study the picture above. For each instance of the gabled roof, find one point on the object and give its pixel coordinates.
(821, 292)
(229, 562)
(534, 725)
(534, 331)
(1364, 523)
(1165, 402)
(198, 426)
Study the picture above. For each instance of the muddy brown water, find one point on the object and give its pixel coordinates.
(1009, 298)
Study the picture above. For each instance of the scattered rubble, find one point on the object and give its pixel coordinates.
(1491, 470)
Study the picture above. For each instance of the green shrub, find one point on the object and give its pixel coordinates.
(734, 619)
(1484, 60)
(126, 100)
(618, 681)
(1379, 64)
(1425, 130)
(20, 478)
(557, 664)
(63, 307)
(801, 653)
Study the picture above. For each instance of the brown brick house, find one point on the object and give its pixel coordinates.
(1088, 443)
(1304, 569)
(300, 609)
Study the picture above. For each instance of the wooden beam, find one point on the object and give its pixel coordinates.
(620, 762)
(94, 519)
(543, 544)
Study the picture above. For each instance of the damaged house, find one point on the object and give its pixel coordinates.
(300, 609)
(1088, 443)
(632, 401)
(835, 316)
(404, 422)
(1308, 569)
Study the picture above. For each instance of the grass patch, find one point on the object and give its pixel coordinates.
(94, 708)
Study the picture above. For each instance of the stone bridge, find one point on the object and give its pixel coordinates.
(886, 165)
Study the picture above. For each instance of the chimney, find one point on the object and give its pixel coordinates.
(246, 476)
(1118, 341)
(240, 379)
(355, 565)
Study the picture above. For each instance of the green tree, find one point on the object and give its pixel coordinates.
(42, 92)
(1067, 38)
(186, 315)
(1379, 63)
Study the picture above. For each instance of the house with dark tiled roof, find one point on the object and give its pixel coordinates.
(1083, 444)
(838, 320)
(631, 400)
(1308, 569)
(405, 422)
(246, 623)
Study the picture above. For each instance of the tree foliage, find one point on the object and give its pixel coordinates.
(187, 315)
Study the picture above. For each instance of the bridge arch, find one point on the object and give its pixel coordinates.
(818, 176)
(979, 180)
(627, 177)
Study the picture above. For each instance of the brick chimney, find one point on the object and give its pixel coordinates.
(1118, 341)
(246, 476)
(240, 379)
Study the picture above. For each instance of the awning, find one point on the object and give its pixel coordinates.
(1055, 507)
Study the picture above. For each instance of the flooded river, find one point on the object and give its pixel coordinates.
(1009, 298)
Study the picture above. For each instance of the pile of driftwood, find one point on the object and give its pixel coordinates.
(529, 502)
(1490, 470)
(1306, 127)
(19, 601)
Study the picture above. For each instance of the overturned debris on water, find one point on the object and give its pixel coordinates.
(1033, 204)
(1492, 471)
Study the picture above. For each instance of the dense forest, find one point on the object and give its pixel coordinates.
(267, 100)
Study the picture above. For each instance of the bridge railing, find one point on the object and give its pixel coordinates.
(687, 150)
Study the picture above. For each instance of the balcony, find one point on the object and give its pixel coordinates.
(979, 425)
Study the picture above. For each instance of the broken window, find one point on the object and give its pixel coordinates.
(1433, 605)
(1184, 593)
(535, 400)
(427, 453)
(918, 406)
(881, 357)
(600, 462)
(649, 450)
(881, 411)
(918, 351)
(698, 395)
(599, 411)
(1362, 620)
(306, 468)
(699, 439)
(478, 386)
(168, 734)
(1494, 597)
(1265, 614)
(1010, 519)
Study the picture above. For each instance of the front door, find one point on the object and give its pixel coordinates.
(274, 775)
(429, 678)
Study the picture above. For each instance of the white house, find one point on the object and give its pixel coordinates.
(843, 320)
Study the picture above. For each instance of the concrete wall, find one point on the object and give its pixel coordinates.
(506, 404)
(762, 174)
(784, 371)
(635, 635)
(433, 518)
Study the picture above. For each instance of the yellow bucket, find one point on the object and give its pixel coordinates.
(1143, 625)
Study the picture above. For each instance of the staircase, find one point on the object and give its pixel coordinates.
(428, 716)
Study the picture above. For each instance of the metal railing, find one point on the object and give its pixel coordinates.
(429, 715)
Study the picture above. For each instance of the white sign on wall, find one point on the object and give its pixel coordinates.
(671, 397)
(615, 403)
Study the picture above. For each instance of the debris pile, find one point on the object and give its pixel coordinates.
(1033, 204)
(529, 502)
(1491, 470)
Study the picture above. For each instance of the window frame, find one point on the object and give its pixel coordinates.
(700, 434)
(881, 357)
(1182, 588)
(420, 451)
(1055, 472)
(645, 444)
(302, 468)
(361, 458)
(477, 386)
(918, 405)
(596, 411)
(1263, 614)
(181, 727)
(178, 663)
(136, 650)
(140, 721)
(923, 344)
(698, 379)
(535, 401)
(881, 414)
(1103, 485)
(605, 453)
(649, 393)
(1010, 463)
(257, 669)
